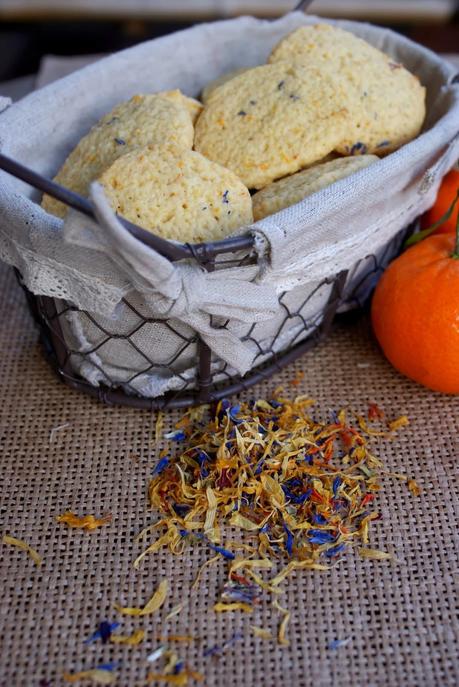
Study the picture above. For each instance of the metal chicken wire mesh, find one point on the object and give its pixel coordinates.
(212, 377)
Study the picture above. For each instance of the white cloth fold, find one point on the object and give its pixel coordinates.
(183, 290)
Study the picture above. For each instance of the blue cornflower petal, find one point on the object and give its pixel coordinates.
(319, 519)
(161, 465)
(259, 467)
(289, 542)
(103, 632)
(224, 552)
(335, 550)
(109, 666)
(336, 643)
(337, 482)
(320, 537)
(181, 509)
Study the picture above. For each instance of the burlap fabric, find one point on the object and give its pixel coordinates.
(61, 450)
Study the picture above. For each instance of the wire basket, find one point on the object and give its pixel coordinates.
(369, 232)
(205, 388)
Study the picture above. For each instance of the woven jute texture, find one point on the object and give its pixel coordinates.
(63, 451)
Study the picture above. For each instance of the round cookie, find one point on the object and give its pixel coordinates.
(272, 121)
(285, 192)
(216, 83)
(178, 194)
(387, 101)
(141, 120)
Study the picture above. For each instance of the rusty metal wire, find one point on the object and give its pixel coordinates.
(300, 330)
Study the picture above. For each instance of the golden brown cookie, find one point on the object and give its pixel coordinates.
(387, 103)
(272, 121)
(178, 194)
(290, 190)
(141, 120)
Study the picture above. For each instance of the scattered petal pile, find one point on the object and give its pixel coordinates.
(301, 489)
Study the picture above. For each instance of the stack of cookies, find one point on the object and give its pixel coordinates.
(326, 105)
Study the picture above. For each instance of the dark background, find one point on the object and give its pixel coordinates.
(23, 42)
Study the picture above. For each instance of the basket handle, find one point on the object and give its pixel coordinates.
(172, 251)
(74, 200)
(303, 5)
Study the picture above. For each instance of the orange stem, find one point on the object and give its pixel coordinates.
(415, 238)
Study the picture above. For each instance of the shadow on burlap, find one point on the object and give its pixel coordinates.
(63, 451)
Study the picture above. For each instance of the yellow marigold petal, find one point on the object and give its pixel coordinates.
(274, 490)
(151, 606)
(414, 487)
(86, 522)
(261, 583)
(401, 421)
(24, 546)
(211, 561)
(158, 544)
(180, 679)
(261, 632)
(100, 677)
(159, 427)
(295, 565)
(237, 606)
(263, 563)
(376, 554)
(137, 637)
(211, 510)
(239, 520)
(283, 624)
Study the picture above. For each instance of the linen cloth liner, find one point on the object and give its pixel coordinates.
(332, 230)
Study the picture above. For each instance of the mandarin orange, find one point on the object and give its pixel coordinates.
(415, 313)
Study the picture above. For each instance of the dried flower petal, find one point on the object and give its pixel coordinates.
(180, 679)
(175, 611)
(239, 606)
(103, 632)
(283, 624)
(376, 554)
(160, 651)
(337, 643)
(159, 427)
(296, 487)
(137, 637)
(238, 520)
(97, 675)
(401, 421)
(151, 606)
(85, 522)
(212, 509)
(261, 632)
(414, 487)
(21, 544)
(258, 563)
